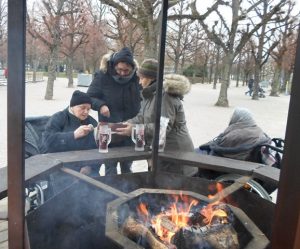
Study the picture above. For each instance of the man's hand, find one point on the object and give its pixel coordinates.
(104, 110)
(82, 131)
(125, 131)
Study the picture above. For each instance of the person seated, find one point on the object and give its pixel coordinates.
(72, 129)
(239, 139)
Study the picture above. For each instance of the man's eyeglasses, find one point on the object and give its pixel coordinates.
(122, 71)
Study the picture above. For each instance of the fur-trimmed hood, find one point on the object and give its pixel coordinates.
(105, 62)
(176, 84)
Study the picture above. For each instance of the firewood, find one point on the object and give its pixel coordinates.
(132, 228)
(167, 224)
(221, 236)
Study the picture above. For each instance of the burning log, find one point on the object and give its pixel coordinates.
(134, 229)
(210, 236)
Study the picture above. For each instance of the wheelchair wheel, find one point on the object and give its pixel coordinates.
(251, 185)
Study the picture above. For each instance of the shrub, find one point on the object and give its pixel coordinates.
(192, 70)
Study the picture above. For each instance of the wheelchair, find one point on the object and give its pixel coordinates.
(269, 154)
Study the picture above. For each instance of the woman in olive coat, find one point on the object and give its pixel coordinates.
(174, 88)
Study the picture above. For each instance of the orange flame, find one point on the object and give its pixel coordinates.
(209, 212)
(167, 223)
(177, 215)
(143, 211)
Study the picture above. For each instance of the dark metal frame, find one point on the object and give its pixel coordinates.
(160, 74)
(286, 231)
(15, 121)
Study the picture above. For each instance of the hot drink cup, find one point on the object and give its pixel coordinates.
(104, 138)
(138, 137)
(162, 133)
(162, 139)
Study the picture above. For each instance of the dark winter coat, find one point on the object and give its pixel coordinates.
(178, 138)
(59, 133)
(121, 97)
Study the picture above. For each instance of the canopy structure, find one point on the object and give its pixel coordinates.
(286, 229)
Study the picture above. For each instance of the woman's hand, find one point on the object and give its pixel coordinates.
(126, 131)
(86, 170)
(82, 131)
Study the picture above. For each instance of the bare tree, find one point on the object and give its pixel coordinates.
(247, 63)
(124, 32)
(92, 51)
(288, 62)
(179, 38)
(281, 66)
(3, 32)
(146, 14)
(45, 25)
(97, 10)
(236, 35)
(35, 54)
(267, 39)
(74, 34)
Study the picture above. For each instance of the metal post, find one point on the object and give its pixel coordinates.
(160, 74)
(286, 227)
(15, 119)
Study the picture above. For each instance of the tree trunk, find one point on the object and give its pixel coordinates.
(223, 100)
(288, 84)
(276, 83)
(255, 90)
(51, 73)
(150, 40)
(35, 67)
(217, 74)
(69, 71)
(256, 80)
(238, 71)
(283, 80)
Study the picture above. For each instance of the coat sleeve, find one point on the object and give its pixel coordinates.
(95, 92)
(138, 119)
(54, 139)
(168, 110)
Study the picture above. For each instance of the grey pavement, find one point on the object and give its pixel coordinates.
(205, 121)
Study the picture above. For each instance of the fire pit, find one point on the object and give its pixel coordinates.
(170, 219)
(85, 216)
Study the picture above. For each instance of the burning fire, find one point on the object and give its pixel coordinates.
(178, 215)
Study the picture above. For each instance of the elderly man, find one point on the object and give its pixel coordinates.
(115, 94)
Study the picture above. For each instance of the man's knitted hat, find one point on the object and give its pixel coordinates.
(124, 55)
(149, 68)
(79, 98)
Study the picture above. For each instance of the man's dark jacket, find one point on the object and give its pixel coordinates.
(122, 98)
(59, 133)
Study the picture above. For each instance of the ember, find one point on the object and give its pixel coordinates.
(184, 222)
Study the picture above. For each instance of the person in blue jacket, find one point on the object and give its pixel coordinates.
(71, 129)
